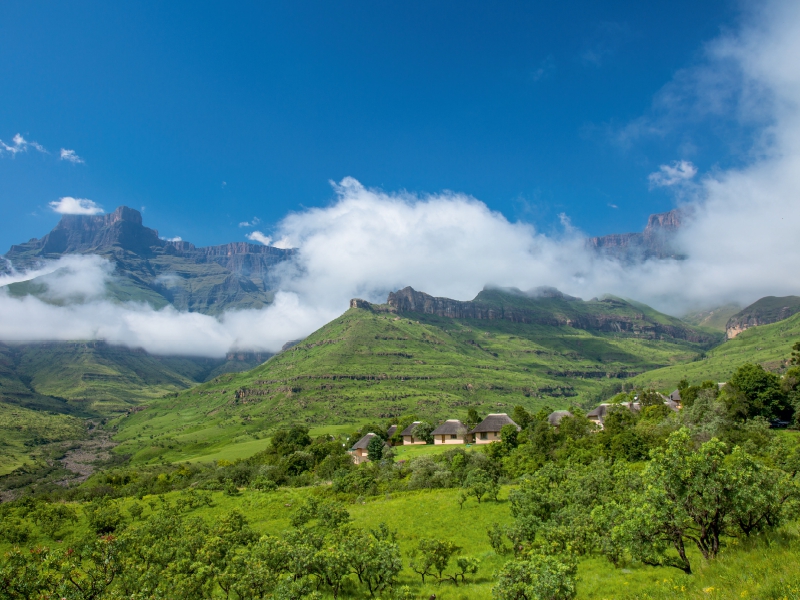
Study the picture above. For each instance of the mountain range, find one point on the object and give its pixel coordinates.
(147, 268)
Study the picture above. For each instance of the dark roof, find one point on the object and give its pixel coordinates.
(494, 422)
(450, 427)
(600, 411)
(410, 429)
(554, 418)
(363, 442)
(391, 431)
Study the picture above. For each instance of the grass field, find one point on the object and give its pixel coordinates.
(762, 567)
(767, 345)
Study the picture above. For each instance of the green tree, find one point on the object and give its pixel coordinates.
(521, 417)
(537, 577)
(375, 449)
(104, 515)
(688, 496)
(423, 431)
(508, 435)
(51, 518)
(477, 484)
(431, 557)
(473, 418)
(756, 393)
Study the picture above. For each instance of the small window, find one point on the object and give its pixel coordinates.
(484, 436)
(453, 436)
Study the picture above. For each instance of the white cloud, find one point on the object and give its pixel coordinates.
(252, 223)
(71, 156)
(678, 172)
(257, 236)
(75, 206)
(20, 144)
(177, 238)
(165, 331)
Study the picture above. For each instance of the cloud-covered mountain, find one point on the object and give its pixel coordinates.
(159, 272)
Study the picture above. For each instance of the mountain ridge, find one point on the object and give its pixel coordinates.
(209, 279)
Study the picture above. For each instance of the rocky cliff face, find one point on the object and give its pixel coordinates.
(769, 309)
(656, 241)
(208, 280)
(551, 309)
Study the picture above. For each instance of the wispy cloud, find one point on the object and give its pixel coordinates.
(257, 236)
(605, 42)
(544, 70)
(20, 144)
(252, 223)
(71, 156)
(678, 172)
(75, 206)
(177, 238)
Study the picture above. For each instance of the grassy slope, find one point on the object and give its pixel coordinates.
(713, 319)
(768, 345)
(23, 430)
(369, 365)
(757, 568)
(93, 378)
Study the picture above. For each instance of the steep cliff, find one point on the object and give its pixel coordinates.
(549, 307)
(149, 269)
(765, 311)
(656, 241)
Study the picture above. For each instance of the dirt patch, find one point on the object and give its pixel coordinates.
(83, 457)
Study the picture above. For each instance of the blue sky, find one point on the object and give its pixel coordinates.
(209, 114)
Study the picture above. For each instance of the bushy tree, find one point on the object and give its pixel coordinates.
(754, 392)
(537, 577)
(431, 557)
(375, 449)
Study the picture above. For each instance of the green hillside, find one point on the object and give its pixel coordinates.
(95, 378)
(714, 319)
(373, 364)
(767, 345)
(23, 432)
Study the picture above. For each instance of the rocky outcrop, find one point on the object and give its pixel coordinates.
(551, 309)
(765, 311)
(656, 241)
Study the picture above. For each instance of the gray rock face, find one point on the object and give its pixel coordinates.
(551, 308)
(656, 241)
(208, 280)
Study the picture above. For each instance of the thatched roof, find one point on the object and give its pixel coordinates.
(675, 396)
(391, 431)
(554, 418)
(363, 442)
(410, 429)
(494, 422)
(450, 427)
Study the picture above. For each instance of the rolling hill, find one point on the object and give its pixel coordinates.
(767, 345)
(432, 356)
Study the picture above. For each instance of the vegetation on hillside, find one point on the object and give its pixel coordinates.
(654, 489)
(368, 365)
(767, 345)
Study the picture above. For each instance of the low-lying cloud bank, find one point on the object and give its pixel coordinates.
(741, 239)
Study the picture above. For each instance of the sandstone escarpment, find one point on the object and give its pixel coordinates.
(765, 311)
(549, 308)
